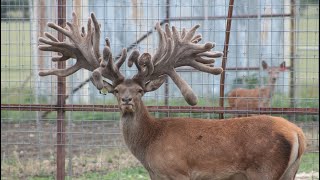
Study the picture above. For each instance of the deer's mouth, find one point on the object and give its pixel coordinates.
(126, 108)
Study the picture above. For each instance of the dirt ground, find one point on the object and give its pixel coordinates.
(307, 176)
(29, 149)
(32, 140)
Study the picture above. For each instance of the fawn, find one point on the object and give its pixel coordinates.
(258, 97)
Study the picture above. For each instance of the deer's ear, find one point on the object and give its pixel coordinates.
(283, 66)
(103, 88)
(108, 87)
(154, 84)
(264, 65)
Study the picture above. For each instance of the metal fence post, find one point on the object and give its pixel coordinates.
(61, 138)
(225, 54)
(292, 52)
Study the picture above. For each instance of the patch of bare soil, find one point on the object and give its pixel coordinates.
(28, 149)
(307, 176)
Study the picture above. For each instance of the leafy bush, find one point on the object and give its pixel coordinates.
(249, 82)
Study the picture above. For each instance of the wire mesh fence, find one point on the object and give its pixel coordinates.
(263, 35)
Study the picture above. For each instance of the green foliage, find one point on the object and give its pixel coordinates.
(252, 81)
(304, 4)
(237, 82)
(249, 82)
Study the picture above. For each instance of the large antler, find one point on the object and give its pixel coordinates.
(84, 46)
(108, 69)
(175, 50)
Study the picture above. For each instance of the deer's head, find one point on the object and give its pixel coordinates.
(274, 72)
(175, 49)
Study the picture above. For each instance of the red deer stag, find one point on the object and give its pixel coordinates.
(259, 147)
(258, 97)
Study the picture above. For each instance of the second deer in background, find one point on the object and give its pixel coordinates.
(258, 97)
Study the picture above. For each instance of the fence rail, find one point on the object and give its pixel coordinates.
(171, 109)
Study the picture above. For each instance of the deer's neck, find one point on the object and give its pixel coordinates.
(270, 89)
(139, 129)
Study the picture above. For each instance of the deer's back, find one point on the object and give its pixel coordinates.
(196, 147)
(249, 98)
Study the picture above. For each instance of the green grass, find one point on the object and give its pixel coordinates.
(310, 162)
(307, 63)
(25, 116)
(108, 164)
(17, 96)
(42, 178)
(79, 116)
(16, 53)
(135, 173)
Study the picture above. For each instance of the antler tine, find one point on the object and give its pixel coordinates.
(196, 39)
(183, 34)
(189, 35)
(108, 69)
(66, 54)
(84, 46)
(83, 32)
(133, 58)
(122, 58)
(143, 63)
(96, 36)
(81, 45)
(162, 44)
(176, 50)
(144, 66)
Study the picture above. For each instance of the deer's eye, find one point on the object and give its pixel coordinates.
(140, 91)
(115, 91)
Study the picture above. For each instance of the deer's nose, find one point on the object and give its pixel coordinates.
(126, 99)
